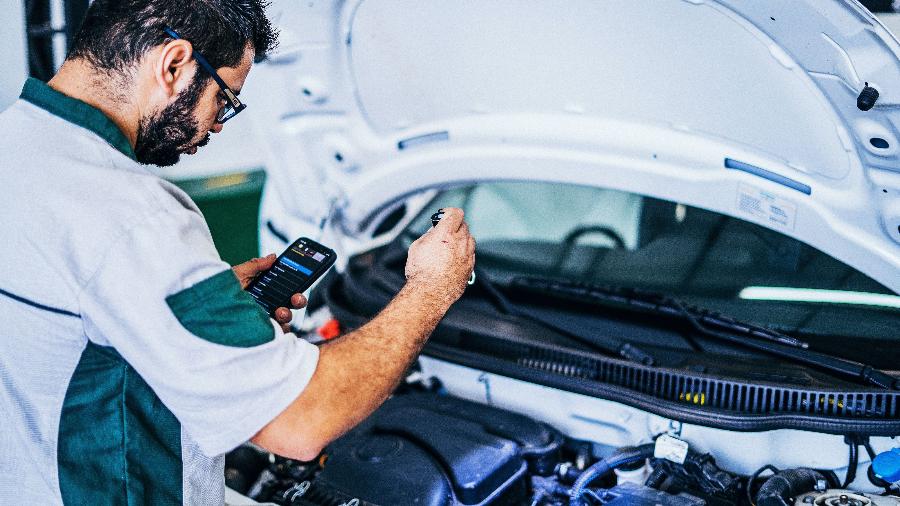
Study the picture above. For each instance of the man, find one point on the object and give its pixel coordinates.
(132, 360)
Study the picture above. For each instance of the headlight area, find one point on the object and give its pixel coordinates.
(425, 446)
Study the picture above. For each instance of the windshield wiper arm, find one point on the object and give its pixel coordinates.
(761, 339)
(625, 350)
(645, 300)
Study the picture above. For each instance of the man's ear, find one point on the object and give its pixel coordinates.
(175, 68)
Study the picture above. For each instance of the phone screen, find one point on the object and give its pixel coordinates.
(294, 272)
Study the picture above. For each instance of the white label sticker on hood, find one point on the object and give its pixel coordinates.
(766, 206)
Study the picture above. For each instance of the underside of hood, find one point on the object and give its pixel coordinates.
(746, 108)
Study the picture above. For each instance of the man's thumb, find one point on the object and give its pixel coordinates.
(265, 262)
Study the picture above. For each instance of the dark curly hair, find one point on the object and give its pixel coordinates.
(117, 33)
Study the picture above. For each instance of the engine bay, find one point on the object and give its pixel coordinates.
(496, 412)
(426, 447)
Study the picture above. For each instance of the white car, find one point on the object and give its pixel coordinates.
(688, 226)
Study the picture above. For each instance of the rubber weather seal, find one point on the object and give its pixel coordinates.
(768, 174)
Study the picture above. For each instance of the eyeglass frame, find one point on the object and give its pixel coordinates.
(231, 98)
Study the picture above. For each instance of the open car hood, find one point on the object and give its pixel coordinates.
(745, 108)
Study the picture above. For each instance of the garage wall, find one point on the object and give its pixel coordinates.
(12, 57)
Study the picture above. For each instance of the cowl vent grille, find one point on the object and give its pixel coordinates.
(685, 391)
(713, 393)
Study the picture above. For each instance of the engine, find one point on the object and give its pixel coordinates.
(426, 449)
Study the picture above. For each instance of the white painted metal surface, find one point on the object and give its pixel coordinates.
(370, 100)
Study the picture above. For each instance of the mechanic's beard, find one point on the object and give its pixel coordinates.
(164, 136)
(205, 141)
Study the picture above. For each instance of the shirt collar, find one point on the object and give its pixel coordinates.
(77, 112)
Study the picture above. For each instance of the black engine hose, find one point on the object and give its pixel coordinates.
(786, 484)
(618, 458)
(852, 463)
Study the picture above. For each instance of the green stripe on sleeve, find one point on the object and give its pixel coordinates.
(218, 310)
(118, 444)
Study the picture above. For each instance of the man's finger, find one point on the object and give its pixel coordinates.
(464, 229)
(265, 262)
(283, 315)
(453, 218)
(298, 300)
(255, 266)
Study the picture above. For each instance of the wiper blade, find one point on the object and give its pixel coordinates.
(703, 320)
(733, 331)
(625, 349)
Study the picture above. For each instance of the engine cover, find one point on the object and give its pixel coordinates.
(432, 450)
(630, 494)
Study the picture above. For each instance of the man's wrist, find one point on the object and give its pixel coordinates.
(430, 293)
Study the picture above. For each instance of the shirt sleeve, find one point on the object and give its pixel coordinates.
(166, 302)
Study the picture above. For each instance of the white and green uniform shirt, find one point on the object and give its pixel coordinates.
(130, 358)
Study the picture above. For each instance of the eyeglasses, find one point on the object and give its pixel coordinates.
(232, 105)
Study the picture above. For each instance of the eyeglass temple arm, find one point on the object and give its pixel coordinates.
(206, 66)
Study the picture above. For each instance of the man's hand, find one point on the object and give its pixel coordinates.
(358, 372)
(443, 258)
(248, 270)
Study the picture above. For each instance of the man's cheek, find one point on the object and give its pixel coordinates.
(206, 118)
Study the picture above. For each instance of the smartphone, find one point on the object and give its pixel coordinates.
(294, 271)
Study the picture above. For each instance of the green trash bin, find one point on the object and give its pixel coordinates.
(230, 204)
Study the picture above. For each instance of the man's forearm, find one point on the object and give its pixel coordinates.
(356, 373)
(364, 367)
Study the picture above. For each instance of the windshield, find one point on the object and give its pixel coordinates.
(716, 261)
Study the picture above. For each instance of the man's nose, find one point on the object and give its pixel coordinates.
(216, 128)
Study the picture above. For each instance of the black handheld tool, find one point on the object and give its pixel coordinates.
(436, 217)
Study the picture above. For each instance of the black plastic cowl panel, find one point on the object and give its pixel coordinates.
(687, 396)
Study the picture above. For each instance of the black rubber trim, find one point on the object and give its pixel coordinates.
(681, 412)
(423, 139)
(38, 305)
